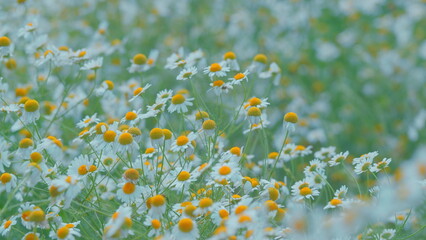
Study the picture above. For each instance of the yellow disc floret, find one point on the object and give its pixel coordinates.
(31, 105)
(139, 59)
(186, 225)
(178, 99)
(291, 117)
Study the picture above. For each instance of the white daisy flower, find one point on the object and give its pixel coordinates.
(180, 104)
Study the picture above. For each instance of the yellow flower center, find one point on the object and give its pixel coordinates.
(185, 225)
(31, 236)
(291, 117)
(110, 84)
(109, 136)
(125, 138)
(335, 202)
(229, 55)
(182, 140)
(205, 202)
(158, 200)
(255, 101)
(305, 191)
(209, 124)
(201, 115)
(218, 83)
(4, 41)
(82, 170)
(31, 105)
(239, 76)
(254, 112)
(271, 205)
(7, 224)
(37, 216)
(139, 59)
(273, 155)
(131, 174)
(178, 99)
(235, 151)
(224, 170)
(244, 218)
(156, 133)
(273, 193)
(129, 188)
(5, 178)
(260, 58)
(63, 232)
(137, 91)
(215, 67)
(134, 131)
(183, 176)
(223, 213)
(149, 150)
(155, 223)
(131, 116)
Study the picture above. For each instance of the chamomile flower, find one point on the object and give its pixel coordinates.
(216, 70)
(387, 234)
(274, 71)
(377, 167)
(6, 46)
(31, 111)
(223, 173)
(7, 224)
(129, 192)
(254, 115)
(338, 159)
(303, 190)
(157, 137)
(139, 63)
(69, 186)
(219, 87)
(186, 228)
(93, 64)
(180, 104)
(239, 77)
(154, 224)
(187, 73)
(88, 120)
(157, 206)
(81, 166)
(119, 224)
(231, 61)
(138, 92)
(7, 182)
(184, 143)
(106, 87)
(126, 143)
(209, 127)
(67, 231)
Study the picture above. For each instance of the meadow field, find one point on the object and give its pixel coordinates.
(219, 119)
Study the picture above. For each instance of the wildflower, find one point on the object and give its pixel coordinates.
(138, 92)
(31, 111)
(184, 143)
(157, 137)
(186, 228)
(231, 60)
(5, 46)
(254, 114)
(187, 73)
(216, 69)
(180, 104)
(239, 77)
(7, 224)
(119, 224)
(129, 192)
(157, 206)
(67, 231)
(93, 64)
(219, 87)
(7, 182)
(377, 167)
(304, 190)
(338, 159)
(209, 127)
